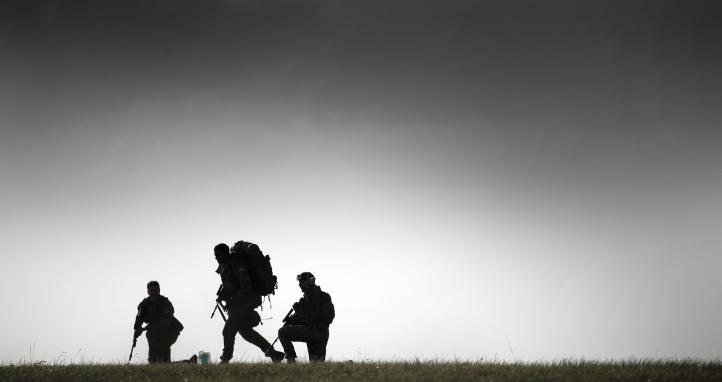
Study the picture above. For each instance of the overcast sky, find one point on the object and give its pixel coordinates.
(511, 180)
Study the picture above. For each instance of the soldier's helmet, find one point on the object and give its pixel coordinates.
(305, 276)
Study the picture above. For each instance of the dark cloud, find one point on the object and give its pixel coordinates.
(613, 65)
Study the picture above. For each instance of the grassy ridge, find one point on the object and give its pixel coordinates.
(350, 372)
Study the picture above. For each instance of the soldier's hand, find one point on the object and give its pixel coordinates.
(219, 299)
(295, 306)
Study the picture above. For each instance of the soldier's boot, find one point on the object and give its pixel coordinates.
(290, 359)
(225, 358)
(275, 355)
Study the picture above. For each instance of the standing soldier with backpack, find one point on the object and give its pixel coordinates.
(242, 296)
(313, 313)
(163, 328)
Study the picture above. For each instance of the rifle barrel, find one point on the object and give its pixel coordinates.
(131, 349)
(287, 315)
(135, 342)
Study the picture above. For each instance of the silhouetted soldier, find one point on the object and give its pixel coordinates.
(241, 300)
(163, 328)
(313, 313)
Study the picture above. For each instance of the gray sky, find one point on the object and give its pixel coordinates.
(499, 179)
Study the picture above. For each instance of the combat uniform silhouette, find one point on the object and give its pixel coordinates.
(313, 314)
(240, 303)
(163, 328)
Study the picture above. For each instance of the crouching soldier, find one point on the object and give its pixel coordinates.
(163, 328)
(313, 313)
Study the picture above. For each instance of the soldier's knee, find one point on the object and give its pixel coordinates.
(246, 333)
(284, 332)
(229, 332)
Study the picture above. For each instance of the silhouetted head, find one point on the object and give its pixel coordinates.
(153, 288)
(221, 252)
(306, 280)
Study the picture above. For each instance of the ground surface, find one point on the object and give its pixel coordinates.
(349, 372)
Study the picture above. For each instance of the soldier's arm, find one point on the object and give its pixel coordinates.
(139, 317)
(298, 316)
(222, 294)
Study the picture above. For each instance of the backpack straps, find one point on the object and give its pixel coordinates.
(270, 303)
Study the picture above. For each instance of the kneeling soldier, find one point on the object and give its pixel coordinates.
(162, 329)
(313, 313)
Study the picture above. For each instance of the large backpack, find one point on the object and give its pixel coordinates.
(263, 280)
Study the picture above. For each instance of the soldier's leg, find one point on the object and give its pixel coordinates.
(247, 322)
(164, 353)
(316, 351)
(170, 339)
(229, 335)
(251, 320)
(322, 348)
(152, 353)
(153, 346)
(255, 338)
(285, 335)
(294, 333)
(165, 346)
(316, 346)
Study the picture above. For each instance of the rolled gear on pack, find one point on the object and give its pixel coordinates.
(263, 281)
(176, 326)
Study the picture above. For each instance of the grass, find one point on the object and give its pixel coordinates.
(369, 371)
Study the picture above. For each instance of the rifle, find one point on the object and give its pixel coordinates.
(285, 322)
(219, 306)
(135, 341)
